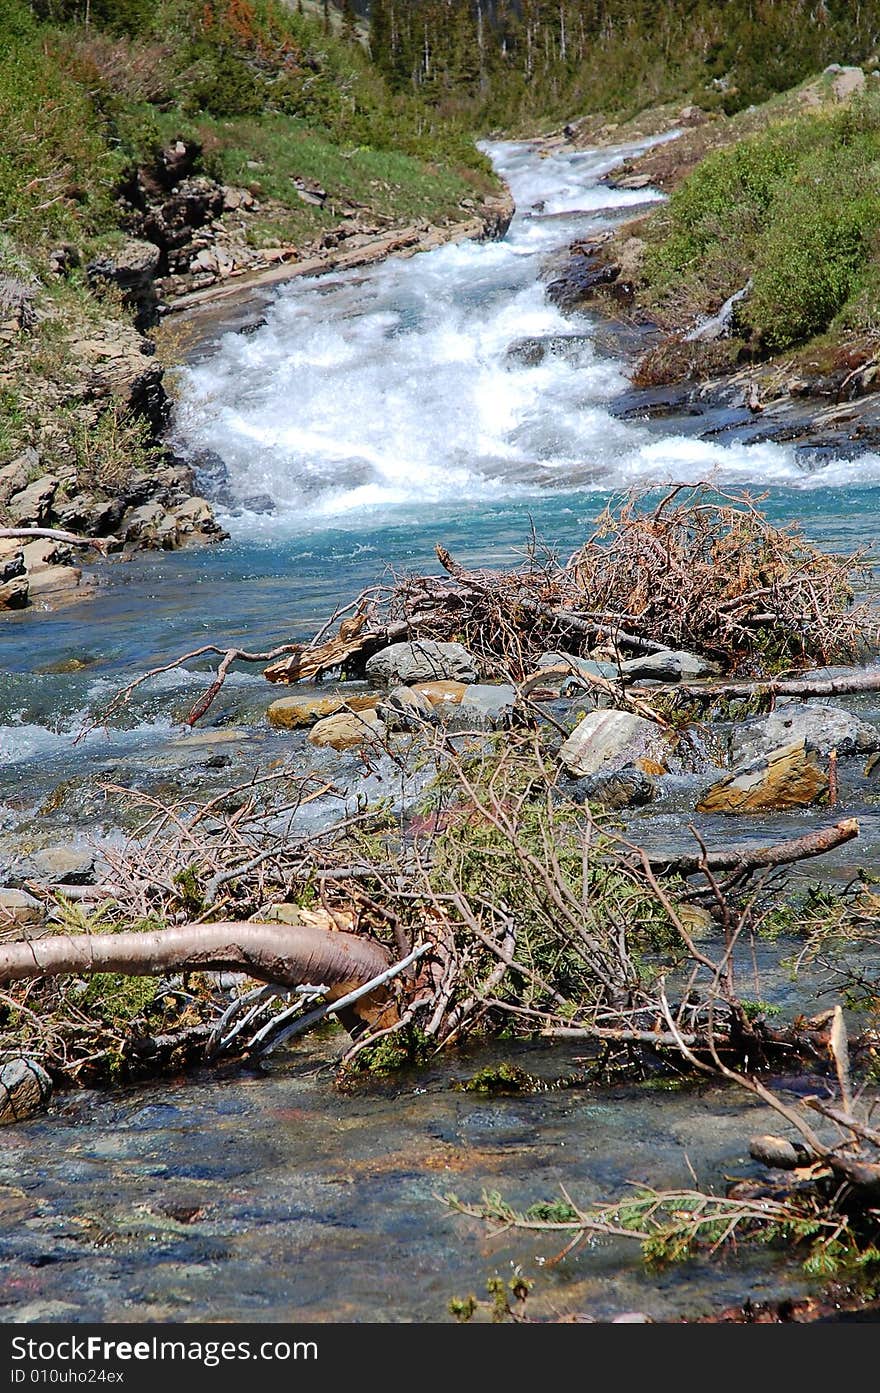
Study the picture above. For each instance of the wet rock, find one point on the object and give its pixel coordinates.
(422, 661)
(481, 707)
(50, 580)
(25, 1089)
(31, 507)
(821, 728)
(297, 712)
(439, 691)
(533, 350)
(607, 741)
(14, 593)
(784, 778)
(777, 1152)
(406, 708)
(194, 520)
(13, 580)
(668, 666)
(20, 914)
(347, 730)
(629, 787)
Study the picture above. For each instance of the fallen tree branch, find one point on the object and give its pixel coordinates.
(287, 954)
(867, 680)
(53, 534)
(749, 858)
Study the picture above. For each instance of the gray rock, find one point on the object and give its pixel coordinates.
(93, 516)
(59, 865)
(482, 707)
(130, 267)
(422, 661)
(588, 666)
(606, 741)
(25, 1089)
(821, 728)
(32, 506)
(14, 476)
(21, 915)
(629, 787)
(669, 666)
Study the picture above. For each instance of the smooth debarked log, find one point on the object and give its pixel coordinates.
(285, 954)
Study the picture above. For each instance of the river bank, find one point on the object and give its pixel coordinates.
(439, 398)
(690, 356)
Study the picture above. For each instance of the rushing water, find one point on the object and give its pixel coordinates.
(380, 412)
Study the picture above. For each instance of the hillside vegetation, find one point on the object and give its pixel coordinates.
(796, 211)
(511, 63)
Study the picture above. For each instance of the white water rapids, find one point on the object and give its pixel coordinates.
(366, 391)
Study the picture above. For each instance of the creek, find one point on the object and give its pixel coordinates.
(371, 414)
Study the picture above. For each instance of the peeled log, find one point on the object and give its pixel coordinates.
(284, 954)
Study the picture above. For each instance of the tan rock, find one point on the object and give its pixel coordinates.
(442, 691)
(295, 712)
(14, 593)
(790, 777)
(21, 915)
(50, 579)
(347, 730)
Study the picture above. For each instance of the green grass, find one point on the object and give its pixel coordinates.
(797, 210)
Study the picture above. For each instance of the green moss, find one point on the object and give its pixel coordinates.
(499, 1078)
(117, 999)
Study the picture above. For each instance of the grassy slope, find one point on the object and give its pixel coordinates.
(267, 93)
(786, 195)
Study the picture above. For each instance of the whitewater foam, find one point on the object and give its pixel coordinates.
(369, 393)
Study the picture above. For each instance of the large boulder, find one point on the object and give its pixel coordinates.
(424, 660)
(606, 741)
(789, 777)
(821, 728)
(670, 665)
